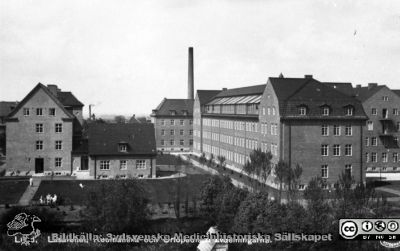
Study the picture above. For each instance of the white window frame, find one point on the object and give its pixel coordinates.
(336, 128)
(140, 164)
(123, 164)
(324, 150)
(348, 130)
(58, 128)
(39, 113)
(123, 148)
(58, 162)
(39, 128)
(52, 109)
(347, 148)
(39, 145)
(26, 111)
(104, 165)
(58, 145)
(325, 130)
(336, 150)
(324, 171)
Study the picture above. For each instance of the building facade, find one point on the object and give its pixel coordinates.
(299, 120)
(40, 131)
(116, 151)
(173, 123)
(382, 131)
(6, 107)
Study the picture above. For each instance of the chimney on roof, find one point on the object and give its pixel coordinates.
(190, 75)
(53, 89)
(372, 85)
(308, 76)
(358, 86)
(281, 75)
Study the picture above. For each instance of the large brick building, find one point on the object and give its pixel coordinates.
(40, 131)
(382, 131)
(173, 122)
(299, 120)
(116, 151)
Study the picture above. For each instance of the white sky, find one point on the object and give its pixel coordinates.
(126, 56)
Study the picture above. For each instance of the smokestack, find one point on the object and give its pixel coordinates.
(190, 75)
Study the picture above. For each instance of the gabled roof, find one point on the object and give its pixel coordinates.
(206, 95)
(68, 99)
(364, 93)
(104, 139)
(38, 87)
(242, 91)
(397, 92)
(134, 120)
(6, 107)
(295, 92)
(345, 88)
(177, 105)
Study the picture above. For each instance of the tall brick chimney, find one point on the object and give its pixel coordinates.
(190, 75)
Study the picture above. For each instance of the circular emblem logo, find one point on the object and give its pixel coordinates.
(380, 226)
(349, 229)
(392, 226)
(367, 226)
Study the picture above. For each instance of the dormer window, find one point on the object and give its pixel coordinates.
(349, 110)
(302, 110)
(185, 112)
(325, 111)
(172, 112)
(123, 147)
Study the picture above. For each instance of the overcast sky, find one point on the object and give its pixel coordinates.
(126, 56)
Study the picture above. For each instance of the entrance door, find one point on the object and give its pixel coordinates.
(84, 163)
(39, 165)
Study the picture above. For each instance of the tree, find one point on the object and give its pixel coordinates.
(211, 159)
(117, 206)
(258, 165)
(221, 160)
(202, 159)
(281, 173)
(119, 119)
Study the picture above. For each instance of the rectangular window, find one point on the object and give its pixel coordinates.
(39, 145)
(385, 98)
(190, 142)
(302, 111)
(366, 141)
(374, 141)
(39, 128)
(181, 132)
(349, 111)
(104, 165)
(181, 142)
(162, 122)
(367, 157)
(325, 111)
(140, 163)
(123, 148)
(58, 128)
(39, 111)
(398, 126)
(347, 170)
(324, 171)
(162, 142)
(172, 122)
(336, 130)
(395, 157)
(384, 157)
(26, 111)
(58, 145)
(162, 132)
(370, 125)
(348, 150)
(172, 142)
(395, 111)
(172, 132)
(325, 130)
(123, 165)
(374, 111)
(324, 150)
(52, 111)
(181, 122)
(374, 157)
(336, 150)
(58, 162)
(190, 122)
(190, 132)
(348, 131)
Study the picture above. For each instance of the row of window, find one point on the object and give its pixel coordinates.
(172, 132)
(123, 164)
(348, 150)
(325, 170)
(57, 145)
(373, 157)
(39, 111)
(348, 130)
(172, 142)
(270, 111)
(273, 128)
(325, 110)
(39, 128)
(233, 125)
(172, 122)
(370, 126)
(385, 113)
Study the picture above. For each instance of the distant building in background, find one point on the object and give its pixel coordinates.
(41, 131)
(133, 120)
(116, 151)
(299, 120)
(173, 118)
(173, 122)
(6, 107)
(382, 131)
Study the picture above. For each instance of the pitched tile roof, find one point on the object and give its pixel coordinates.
(295, 92)
(364, 93)
(177, 105)
(345, 88)
(6, 107)
(397, 92)
(104, 139)
(133, 120)
(68, 99)
(242, 91)
(206, 95)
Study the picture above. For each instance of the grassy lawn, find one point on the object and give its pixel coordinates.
(12, 190)
(163, 190)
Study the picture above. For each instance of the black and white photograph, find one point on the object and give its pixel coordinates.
(205, 125)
